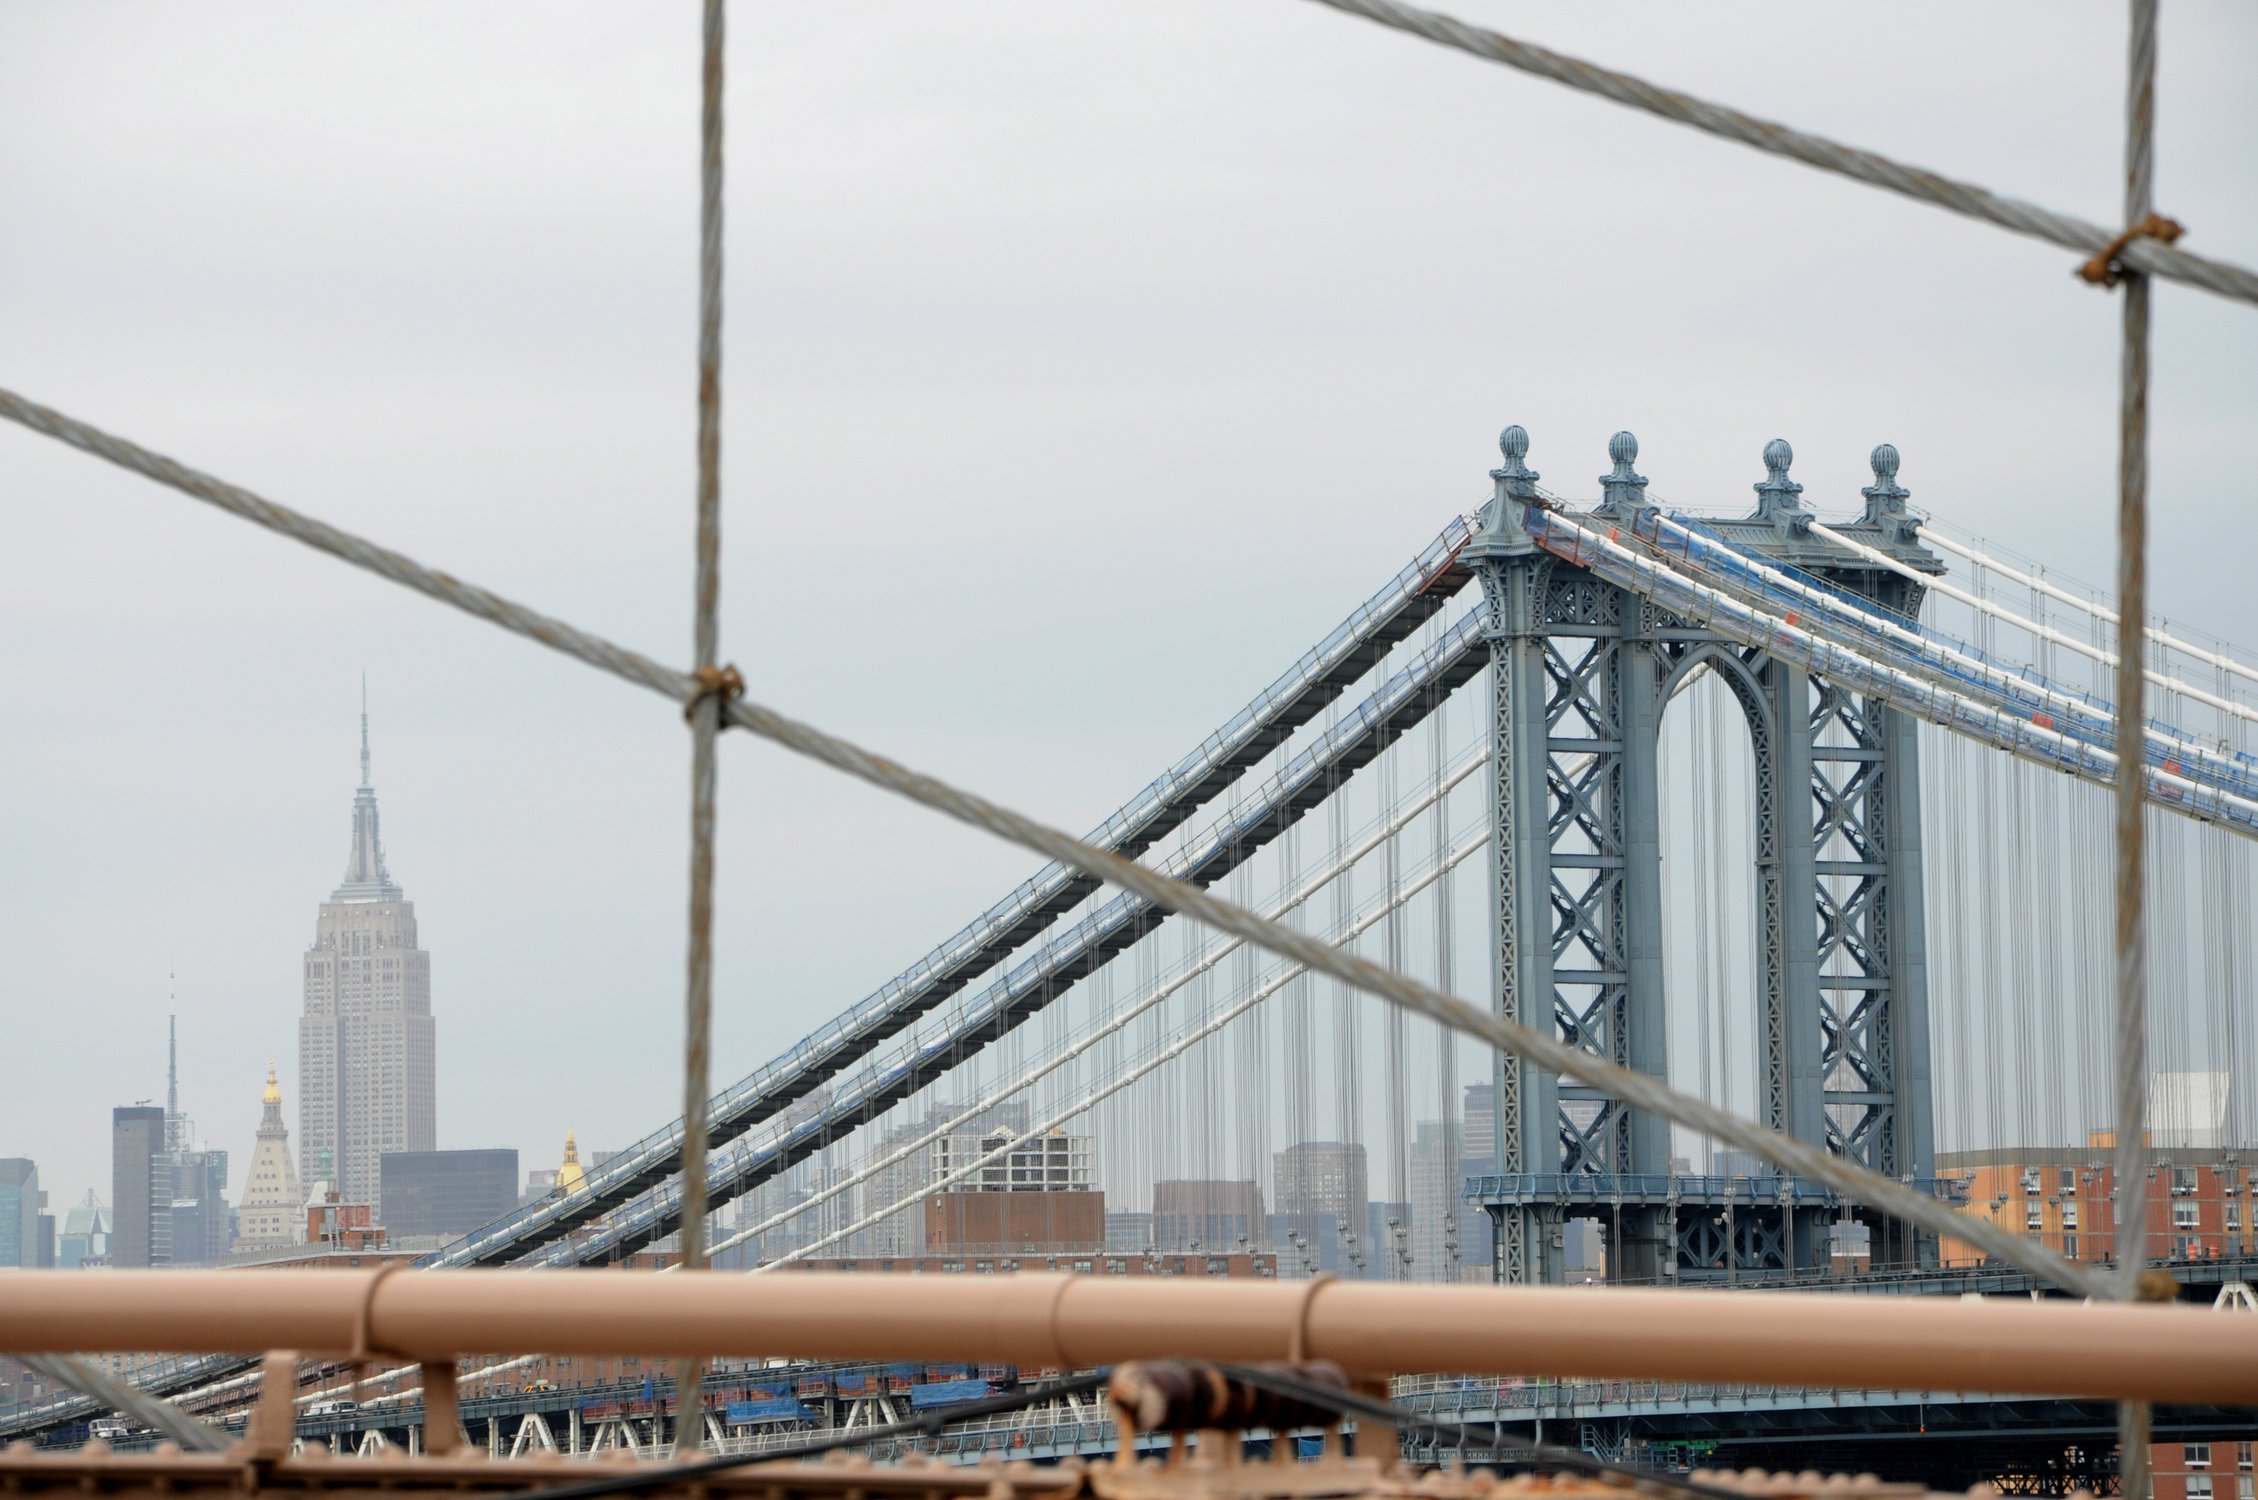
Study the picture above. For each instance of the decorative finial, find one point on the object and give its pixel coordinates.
(1623, 492)
(1885, 499)
(1885, 485)
(1776, 496)
(1515, 478)
(273, 1094)
(1514, 485)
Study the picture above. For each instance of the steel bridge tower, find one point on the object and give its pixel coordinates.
(1582, 671)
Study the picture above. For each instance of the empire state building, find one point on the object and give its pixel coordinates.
(365, 1042)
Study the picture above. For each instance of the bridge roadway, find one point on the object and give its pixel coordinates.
(2199, 1280)
(1947, 1440)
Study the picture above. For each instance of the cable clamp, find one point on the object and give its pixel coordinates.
(2156, 1286)
(725, 683)
(2105, 269)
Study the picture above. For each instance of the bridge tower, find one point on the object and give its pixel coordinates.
(1582, 672)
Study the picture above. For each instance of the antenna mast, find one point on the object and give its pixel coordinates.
(172, 1063)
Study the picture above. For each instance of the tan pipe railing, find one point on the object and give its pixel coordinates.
(2159, 1353)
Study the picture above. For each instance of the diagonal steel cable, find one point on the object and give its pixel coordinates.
(130, 1401)
(1639, 1092)
(2141, 254)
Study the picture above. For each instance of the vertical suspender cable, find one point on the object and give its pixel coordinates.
(2132, 620)
(1451, 1147)
(705, 712)
(1393, 1038)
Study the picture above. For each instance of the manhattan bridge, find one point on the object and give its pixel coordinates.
(1806, 816)
(1777, 839)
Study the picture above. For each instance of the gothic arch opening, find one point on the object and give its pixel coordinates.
(1712, 957)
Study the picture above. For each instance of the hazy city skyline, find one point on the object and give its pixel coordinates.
(1050, 328)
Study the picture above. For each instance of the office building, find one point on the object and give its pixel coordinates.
(1387, 1233)
(20, 1203)
(1324, 1204)
(203, 1225)
(1207, 1214)
(2200, 1199)
(1129, 1233)
(1015, 1220)
(1437, 1209)
(84, 1238)
(366, 1066)
(445, 1192)
(141, 1192)
(940, 1144)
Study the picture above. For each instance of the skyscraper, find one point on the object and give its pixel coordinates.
(365, 1042)
(20, 1202)
(140, 1187)
(202, 1223)
(272, 1213)
(446, 1192)
(1322, 1196)
(85, 1234)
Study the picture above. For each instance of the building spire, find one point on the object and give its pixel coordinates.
(366, 879)
(179, 1133)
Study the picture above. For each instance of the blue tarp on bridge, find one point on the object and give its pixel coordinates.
(947, 1393)
(780, 1409)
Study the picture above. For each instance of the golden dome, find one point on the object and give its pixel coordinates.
(273, 1094)
(570, 1179)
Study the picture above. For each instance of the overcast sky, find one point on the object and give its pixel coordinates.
(1085, 362)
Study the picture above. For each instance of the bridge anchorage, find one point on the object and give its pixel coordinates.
(1586, 656)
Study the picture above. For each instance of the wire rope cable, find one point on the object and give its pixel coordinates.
(2137, 254)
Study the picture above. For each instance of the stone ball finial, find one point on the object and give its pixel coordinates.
(1776, 496)
(1623, 489)
(1885, 497)
(1514, 443)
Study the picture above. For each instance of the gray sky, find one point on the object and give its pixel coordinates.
(1084, 364)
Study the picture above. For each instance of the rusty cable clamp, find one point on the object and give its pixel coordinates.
(2106, 269)
(725, 683)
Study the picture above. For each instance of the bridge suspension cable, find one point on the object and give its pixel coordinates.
(2094, 608)
(2006, 684)
(1090, 944)
(1171, 1051)
(1656, 575)
(737, 1163)
(2043, 632)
